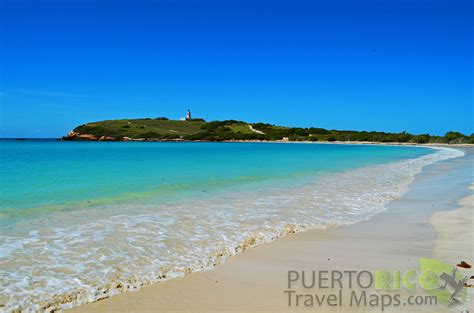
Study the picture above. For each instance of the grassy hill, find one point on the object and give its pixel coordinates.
(141, 128)
(147, 129)
(163, 129)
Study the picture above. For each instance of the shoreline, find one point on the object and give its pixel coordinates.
(253, 264)
(412, 144)
(126, 139)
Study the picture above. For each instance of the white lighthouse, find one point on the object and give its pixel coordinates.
(188, 115)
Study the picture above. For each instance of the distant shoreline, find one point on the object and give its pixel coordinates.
(265, 141)
(367, 143)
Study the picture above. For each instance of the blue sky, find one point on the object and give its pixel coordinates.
(341, 64)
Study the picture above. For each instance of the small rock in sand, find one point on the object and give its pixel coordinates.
(464, 264)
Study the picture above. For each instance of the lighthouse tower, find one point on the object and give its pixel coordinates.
(188, 115)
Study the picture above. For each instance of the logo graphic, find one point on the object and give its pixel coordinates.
(451, 289)
(434, 283)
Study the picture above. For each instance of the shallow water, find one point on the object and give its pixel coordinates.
(83, 221)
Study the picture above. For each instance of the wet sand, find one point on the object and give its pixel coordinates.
(423, 224)
(455, 240)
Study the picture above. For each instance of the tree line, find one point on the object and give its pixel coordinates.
(220, 130)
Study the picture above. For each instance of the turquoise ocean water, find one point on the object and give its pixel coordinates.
(87, 220)
(40, 177)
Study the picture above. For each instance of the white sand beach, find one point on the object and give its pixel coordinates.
(455, 239)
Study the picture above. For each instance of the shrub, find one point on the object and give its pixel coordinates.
(454, 137)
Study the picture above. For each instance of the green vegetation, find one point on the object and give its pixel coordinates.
(159, 128)
(164, 129)
(226, 130)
